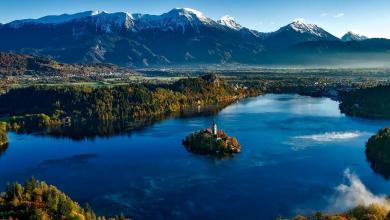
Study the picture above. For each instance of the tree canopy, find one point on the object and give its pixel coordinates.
(3, 135)
(368, 102)
(378, 152)
(38, 200)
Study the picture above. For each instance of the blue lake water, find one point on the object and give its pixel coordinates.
(295, 152)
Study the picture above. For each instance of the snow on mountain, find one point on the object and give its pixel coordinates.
(295, 33)
(229, 22)
(176, 19)
(301, 27)
(103, 21)
(179, 36)
(54, 19)
(350, 36)
(108, 22)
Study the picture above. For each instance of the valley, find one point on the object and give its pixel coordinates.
(172, 113)
(71, 112)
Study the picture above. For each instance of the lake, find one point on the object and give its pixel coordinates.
(299, 154)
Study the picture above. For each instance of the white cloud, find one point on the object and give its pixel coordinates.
(354, 193)
(331, 136)
(339, 15)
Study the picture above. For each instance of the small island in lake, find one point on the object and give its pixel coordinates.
(211, 141)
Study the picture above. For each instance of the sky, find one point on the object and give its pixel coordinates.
(371, 18)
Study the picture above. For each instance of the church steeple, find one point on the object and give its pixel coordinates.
(215, 128)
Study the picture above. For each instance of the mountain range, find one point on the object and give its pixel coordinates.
(180, 36)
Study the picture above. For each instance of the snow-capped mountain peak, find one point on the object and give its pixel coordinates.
(97, 12)
(351, 36)
(229, 22)
(102, 20)
(190, 11)
(176, 19)
(107, 22)
(188, 14)
(298, 32)
(184, 20)
(301, 27)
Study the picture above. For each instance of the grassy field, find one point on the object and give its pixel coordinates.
(94, 83)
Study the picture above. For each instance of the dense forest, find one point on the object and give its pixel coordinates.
(3, 135)
(378, 152)
(368, 102)
(19, 64)
(46, 106)
(373, 211)
(38, 200)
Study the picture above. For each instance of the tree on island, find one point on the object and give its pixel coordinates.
(211, 141)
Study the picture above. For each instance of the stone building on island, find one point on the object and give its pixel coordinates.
(211, 141)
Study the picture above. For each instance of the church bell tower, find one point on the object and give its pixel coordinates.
(215, 128)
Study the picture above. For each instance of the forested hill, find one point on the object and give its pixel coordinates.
(46, 106)
(18, 64)
(39, 200)
(367, 102)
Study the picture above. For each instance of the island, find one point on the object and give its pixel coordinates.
(211, 141)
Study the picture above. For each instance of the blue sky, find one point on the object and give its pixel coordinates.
(371, 18)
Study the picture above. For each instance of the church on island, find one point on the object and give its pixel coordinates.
(211, 141)
(213, 130)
